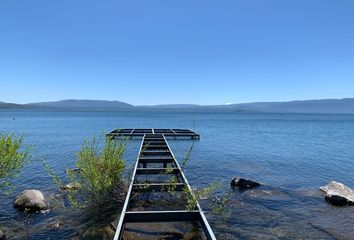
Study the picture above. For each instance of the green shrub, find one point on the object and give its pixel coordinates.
(12, 160)
(100, 172)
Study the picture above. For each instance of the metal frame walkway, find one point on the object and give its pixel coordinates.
(139, 132)
(155, 151)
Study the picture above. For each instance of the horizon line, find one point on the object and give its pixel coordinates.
(159, 104)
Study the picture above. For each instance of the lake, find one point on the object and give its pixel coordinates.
(292, 155)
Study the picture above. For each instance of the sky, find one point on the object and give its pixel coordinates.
(176, 51)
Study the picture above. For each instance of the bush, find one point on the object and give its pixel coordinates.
(12, 160)
(100, 172)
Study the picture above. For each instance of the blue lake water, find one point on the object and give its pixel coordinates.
(291, 154)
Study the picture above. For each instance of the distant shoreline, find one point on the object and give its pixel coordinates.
(326, 106)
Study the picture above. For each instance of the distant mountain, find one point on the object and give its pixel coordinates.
(345, 105)
(174, 106)
(4, 105)
(85, 104)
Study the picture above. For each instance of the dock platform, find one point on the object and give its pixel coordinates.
(155, 165)
(139, 132)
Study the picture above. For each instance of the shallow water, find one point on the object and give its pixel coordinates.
(291, 154)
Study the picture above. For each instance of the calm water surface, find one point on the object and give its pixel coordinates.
(291, 154)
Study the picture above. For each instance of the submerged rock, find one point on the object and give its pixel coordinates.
(2, 235)
(72, 170)
(71, 186)
(55, 223)
(267, 194)
(31, 200)
(338, 194)
(171, 236)
(243, 184)
(110, 230)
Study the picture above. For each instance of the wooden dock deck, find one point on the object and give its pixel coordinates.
(155, 158)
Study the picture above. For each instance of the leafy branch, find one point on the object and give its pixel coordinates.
(12, 159)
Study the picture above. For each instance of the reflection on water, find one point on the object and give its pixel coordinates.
(291, 154)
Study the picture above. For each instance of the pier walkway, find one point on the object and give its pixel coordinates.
(156, 165)
(139, 132)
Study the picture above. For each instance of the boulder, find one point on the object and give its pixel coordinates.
(338, 194)
(243, 184)
(30, 200)
(2, 235)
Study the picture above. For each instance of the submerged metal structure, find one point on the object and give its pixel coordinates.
(155, 158)
(139, 132)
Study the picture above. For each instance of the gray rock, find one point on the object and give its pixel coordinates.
(2, 235)
(267, 194)
(56, 223)
(30, 200)
(71, 186)
(338, 194)
(243, 184)
(73, 170)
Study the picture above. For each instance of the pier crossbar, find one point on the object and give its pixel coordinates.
(162, 216)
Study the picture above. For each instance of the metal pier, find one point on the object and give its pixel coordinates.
(155, 158)
(139, 132)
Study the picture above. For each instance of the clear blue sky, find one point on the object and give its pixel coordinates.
(176, 51)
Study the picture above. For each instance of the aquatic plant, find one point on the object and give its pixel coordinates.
(12, 158)
(100, 174)
(221, 207)
(56, 179)
(193, 196)
(171, 185)
(187, 156)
